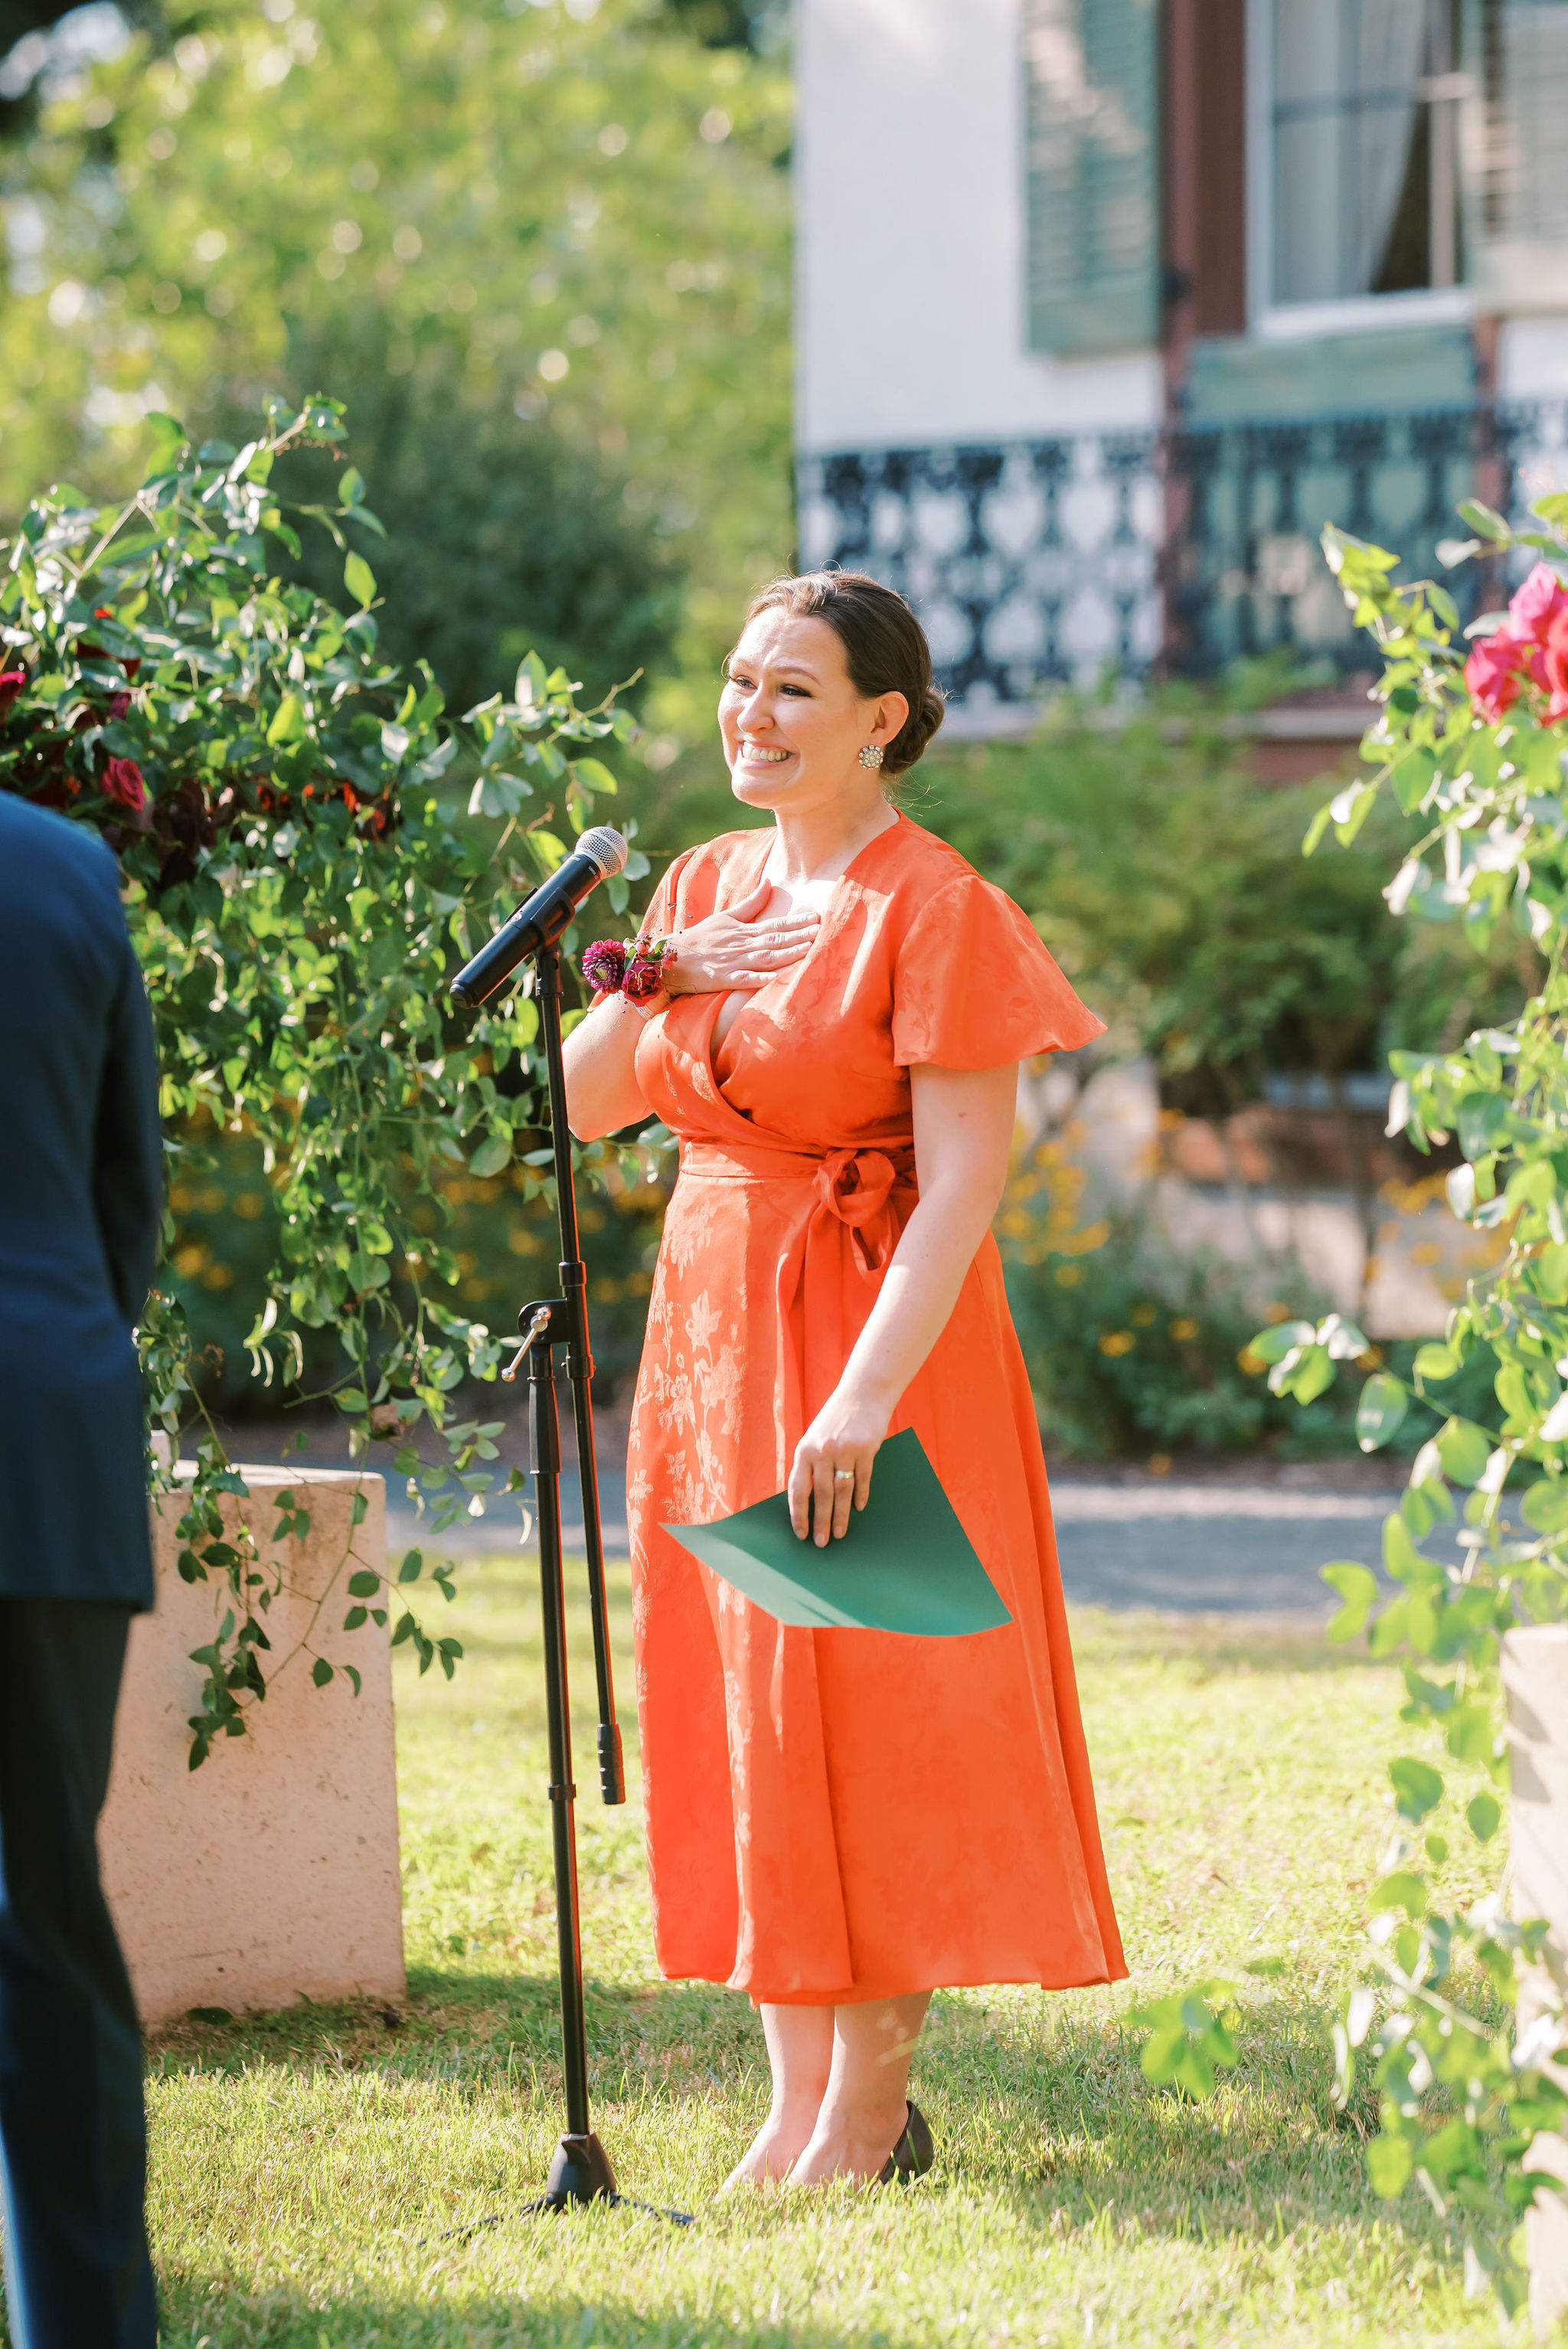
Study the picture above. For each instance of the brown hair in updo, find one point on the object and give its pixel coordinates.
(885, 644)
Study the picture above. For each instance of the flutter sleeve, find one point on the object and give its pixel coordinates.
(974, 985)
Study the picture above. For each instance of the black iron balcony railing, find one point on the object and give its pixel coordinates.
(1044, 562)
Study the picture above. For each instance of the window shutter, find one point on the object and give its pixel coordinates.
(1090, 78)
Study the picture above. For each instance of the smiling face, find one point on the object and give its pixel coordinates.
(792, 723)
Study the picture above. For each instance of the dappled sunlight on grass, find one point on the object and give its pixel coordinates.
(324, 2176)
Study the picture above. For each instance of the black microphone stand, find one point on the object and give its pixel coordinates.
(580, 2171)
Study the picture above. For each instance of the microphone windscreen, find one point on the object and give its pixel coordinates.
(607, 849)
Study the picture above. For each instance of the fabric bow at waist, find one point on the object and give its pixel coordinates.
(832, 1263)
(853, 1186)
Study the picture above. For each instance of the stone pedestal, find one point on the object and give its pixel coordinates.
(1535, 1676)
(272, 1871)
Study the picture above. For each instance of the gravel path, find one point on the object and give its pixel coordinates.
(1239, 1537)
(1187, 1547)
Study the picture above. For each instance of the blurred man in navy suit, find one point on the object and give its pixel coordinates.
(80, 1200)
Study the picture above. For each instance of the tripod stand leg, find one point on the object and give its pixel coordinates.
(580, 2171)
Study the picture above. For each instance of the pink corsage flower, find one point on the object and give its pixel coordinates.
(12, 680)
(643, 981)
(637, 971)
(604, 965)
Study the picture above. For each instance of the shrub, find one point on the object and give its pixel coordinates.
(298, 896)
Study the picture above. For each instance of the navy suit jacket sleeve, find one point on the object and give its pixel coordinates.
(127, 1147)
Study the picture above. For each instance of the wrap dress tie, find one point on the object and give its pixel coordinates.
(840, 1814)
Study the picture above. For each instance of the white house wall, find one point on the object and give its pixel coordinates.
(909, 192)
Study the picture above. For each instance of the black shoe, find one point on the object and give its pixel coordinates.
(914, 2154)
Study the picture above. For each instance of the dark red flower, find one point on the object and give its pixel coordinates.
(123, 783)
(12, 680)
(643, 981)
(103, 611)
(605, 965)
(118, 703)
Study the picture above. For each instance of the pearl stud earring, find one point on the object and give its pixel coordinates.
(872, 757)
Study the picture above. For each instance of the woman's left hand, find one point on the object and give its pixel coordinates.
(833, 1465)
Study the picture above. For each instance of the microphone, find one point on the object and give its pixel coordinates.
(539, 919)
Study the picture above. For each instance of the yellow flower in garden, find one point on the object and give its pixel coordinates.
(1069, 1275)
(1183, 1331)
(1249, 1363)
(1118, 1341)
(1142, 1317)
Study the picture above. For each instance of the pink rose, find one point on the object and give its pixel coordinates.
(643, 981)
(1535, 605)
(1553, 661)
(1494, 672)
(123, 783)
(12, 680)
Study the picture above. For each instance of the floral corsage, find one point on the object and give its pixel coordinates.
(637, 971)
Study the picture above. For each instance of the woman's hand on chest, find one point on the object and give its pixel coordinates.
(738, 950)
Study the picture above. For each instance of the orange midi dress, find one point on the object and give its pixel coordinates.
(835, 1816)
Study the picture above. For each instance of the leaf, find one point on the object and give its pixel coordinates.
(1401, 1559)
(595, 776)
(1388, 2166)
(1436, 1361)
(1403, 1889)
(351, 488)
(492, 1156)
(1417, 1788)
(364, 1585)
(1546, 1506)
(1484, 1813)
(288, 724)
(1310, 1378)
(1358, 1589)
(320, 1672)
(1282, 1337)
(412, 1565)
(360, 580)
(1484, 520)
(1464, 1451)
(1380, 1410)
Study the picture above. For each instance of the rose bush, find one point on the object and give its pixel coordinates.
(1474, 747)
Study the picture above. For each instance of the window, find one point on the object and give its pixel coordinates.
(1090, 81)
(1361, 124)
(1514, 150)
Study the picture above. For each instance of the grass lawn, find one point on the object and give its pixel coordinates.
(308, 2166)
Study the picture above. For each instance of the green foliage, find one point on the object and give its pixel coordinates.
(573, 218)
(1461, 2099)
(1192, 2036)
(502, 536)
(1168, 884)
(1129, 1345)
(298, 899)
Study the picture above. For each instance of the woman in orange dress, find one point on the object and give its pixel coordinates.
(841, 1821)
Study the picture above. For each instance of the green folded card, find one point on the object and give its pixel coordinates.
(905, 1563)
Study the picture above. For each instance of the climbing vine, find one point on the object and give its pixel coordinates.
(1459, 2020)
